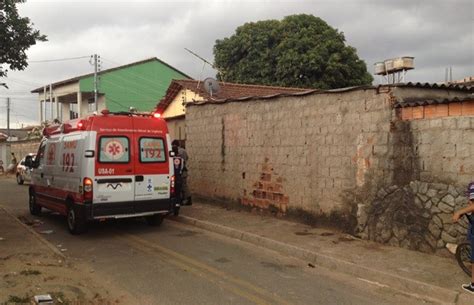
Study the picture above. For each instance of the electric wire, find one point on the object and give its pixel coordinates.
(55, 60)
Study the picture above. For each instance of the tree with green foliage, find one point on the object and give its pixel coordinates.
(16, 36)
(298, 51)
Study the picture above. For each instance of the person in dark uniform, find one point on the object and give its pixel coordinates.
(469, 212)
(181, 152)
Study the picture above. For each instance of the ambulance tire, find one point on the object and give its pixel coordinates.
(35, 209)
(154, 220)
(75, 223)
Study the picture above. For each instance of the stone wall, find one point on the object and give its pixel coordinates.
(310, 152)
(434, 166)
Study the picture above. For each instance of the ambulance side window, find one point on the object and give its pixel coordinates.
(152, 150)
(40, 155)
(114, 149)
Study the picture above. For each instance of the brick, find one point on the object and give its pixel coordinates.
(430, 111)
(468, 108)
(442, 110)
(407, 113)
(418, 112)
(455, 109)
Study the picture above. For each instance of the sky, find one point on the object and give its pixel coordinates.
(438, 33)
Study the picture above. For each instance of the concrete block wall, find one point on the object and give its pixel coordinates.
(400, 174)
(291, 152)
(22, 148)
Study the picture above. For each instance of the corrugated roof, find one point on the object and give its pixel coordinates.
(450, 86)
(77, 78)
(228, 91)
(424, 102)
(455, 87)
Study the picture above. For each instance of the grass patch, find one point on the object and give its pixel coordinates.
(17, 299)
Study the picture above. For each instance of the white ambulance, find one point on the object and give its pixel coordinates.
(113, 165)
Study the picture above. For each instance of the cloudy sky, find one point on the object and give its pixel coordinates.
(438, 33)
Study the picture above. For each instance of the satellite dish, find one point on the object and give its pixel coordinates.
(211, 86)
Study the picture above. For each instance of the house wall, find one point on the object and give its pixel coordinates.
(176, 107)
(4, 156)
(139, 86)
(344, 155)
(293, 152)
(22, 148)
(177, 128)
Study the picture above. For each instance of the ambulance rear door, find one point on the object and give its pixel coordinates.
(152, 170)
(114, 168)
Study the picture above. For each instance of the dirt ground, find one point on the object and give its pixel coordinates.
(28, 267)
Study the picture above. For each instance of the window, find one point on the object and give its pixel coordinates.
(152, 150)
(40, 155)
(114, 150)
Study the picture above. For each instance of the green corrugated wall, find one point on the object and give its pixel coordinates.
(140, 86)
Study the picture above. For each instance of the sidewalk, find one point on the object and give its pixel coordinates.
(424, 275)
(30, 266)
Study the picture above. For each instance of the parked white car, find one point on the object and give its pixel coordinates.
(23, 173)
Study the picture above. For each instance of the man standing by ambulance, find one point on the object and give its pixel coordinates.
(181, 152)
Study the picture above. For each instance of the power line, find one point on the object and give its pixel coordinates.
(22, 82)
(54, 60)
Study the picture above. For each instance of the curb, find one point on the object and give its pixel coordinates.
(405, 285)
(36, 235)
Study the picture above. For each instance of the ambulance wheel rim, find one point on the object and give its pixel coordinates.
(71, 219)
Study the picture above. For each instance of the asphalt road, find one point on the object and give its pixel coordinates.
(179, 264)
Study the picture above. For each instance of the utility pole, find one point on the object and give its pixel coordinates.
(8, 116)
(95, 83)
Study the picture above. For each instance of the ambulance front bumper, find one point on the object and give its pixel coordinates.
(94, 211)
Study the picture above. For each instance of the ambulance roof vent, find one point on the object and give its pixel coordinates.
(211, 86)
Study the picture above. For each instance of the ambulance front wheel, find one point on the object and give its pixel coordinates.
(154, 220)
(76, 224)
(35, 209)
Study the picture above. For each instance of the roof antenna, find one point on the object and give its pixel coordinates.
(210, 64)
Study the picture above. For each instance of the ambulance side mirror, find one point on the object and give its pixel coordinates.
(172, 154)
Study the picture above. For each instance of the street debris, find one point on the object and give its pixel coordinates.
(43, 299)
(347, 237)
(451, 247)
(32, 223)
(327, 234)
(305, 232)
(311, 265)
(47, 232)
(2, 239)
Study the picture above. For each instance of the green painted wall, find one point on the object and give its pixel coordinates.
(140, 86)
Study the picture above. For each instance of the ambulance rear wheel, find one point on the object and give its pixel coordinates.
(176, 211)
(75, 223)
(154, 220)
(35, 209)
